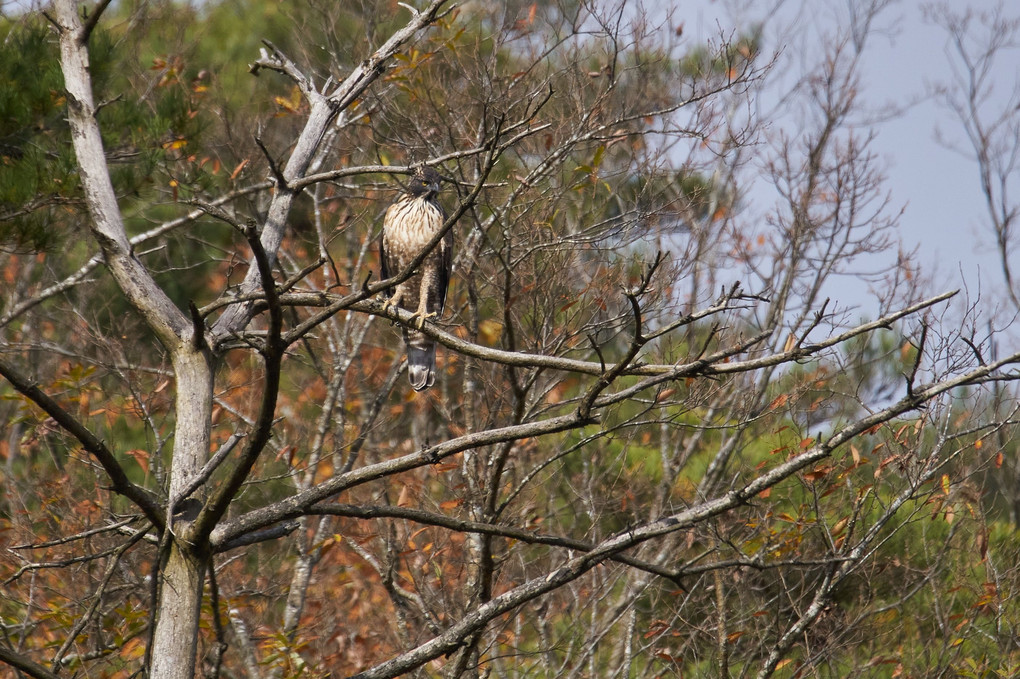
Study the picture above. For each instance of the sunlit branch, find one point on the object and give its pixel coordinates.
(340, 173)
(78, 536)
(275, 60)
(522, 359)
(165, 320)
(298, 504)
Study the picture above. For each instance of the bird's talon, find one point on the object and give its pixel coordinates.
(423, 317)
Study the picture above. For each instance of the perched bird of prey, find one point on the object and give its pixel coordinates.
(410, 223)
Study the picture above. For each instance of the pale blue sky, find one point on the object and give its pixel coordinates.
(944, 208)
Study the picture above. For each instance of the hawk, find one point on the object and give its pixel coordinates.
(410, 223)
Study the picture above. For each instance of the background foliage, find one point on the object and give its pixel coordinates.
(622, 180)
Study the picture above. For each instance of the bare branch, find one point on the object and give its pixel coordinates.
(79, 536)
(92, 20)
(23, 664)
(465, 526)
(574, 568)
(121, 484)
(298, 504)
(165, 319)
(272, 351)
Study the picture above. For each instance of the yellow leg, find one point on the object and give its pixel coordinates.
(422, 314)
(422, 317)
(393, 301)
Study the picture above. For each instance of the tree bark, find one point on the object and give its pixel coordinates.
(174, 638)
(180, 588)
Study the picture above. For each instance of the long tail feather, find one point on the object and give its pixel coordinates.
(421, 360)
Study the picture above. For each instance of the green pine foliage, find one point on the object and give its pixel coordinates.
(144, 132)
(36, 164)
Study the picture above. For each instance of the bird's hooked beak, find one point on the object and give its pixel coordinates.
(426, 182)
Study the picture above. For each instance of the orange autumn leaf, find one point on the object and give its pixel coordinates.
(817, 473)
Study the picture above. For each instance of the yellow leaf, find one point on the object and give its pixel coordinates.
(490, 331)
(404, 499)
(289, 104)
(132, 649)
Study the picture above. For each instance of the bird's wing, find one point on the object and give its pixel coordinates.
(383, 266)
(388, 264)
(445, 255)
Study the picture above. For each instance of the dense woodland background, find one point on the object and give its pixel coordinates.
(660, 443)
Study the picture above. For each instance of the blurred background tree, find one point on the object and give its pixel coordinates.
(655, 445)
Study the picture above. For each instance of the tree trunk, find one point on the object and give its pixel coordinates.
(179, 599)
(180, 595)
(174, 638)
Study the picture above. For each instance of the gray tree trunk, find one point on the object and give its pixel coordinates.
(174, 637)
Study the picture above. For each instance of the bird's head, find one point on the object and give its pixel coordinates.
(424, 182)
